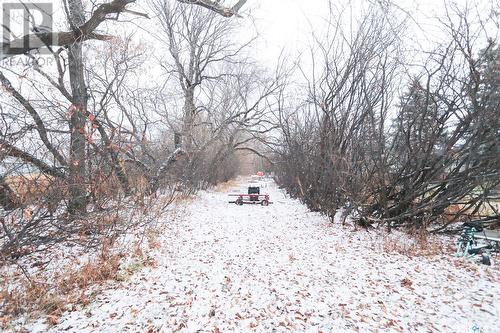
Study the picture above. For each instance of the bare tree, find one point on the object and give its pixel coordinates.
(200, 43)
(436, 156)
(72, 166)
(76, 130)
(344, 116)
(82, 29)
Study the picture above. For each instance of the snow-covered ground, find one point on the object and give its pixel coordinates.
(229, 268)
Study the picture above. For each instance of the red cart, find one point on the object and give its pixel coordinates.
(253, 197)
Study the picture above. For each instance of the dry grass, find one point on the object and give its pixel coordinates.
(34, 186)
(152, 236)
(30, 296)
(226, 186)
(417, 245)
(490, 208)
(41, 295)
(90, 273)
(65, 290)
(30, 187)
(185, 198)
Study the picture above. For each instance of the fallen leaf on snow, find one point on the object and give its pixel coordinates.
(406, 283)
(53, 319)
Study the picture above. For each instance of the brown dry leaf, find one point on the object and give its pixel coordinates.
(216, 330)
(390, 323)
(83, 299)
(406, 282)
(53, 319)
(28, 214)
(180, 327)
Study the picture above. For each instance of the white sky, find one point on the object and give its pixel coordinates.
(287, 24)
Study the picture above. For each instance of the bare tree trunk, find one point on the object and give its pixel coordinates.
(189, 119)
(77, 189)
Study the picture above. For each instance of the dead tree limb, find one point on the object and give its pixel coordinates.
(81, 33)
(216, 7)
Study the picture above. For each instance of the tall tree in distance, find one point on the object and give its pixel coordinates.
(199, 43)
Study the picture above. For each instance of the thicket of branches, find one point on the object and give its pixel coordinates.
(87, 138)
(423, 155)
(89, 132)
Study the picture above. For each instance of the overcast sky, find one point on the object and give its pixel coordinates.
(287, 24)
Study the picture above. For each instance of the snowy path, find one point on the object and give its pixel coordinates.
(225, 268)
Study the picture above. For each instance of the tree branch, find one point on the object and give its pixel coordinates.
(9, 150)
(214, 6)
(42, 130)
(86, 31)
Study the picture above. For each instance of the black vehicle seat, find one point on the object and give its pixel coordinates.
(254, 190)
